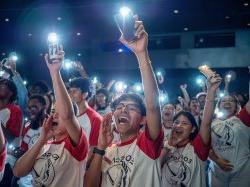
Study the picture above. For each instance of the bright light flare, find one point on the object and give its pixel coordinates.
(68, 64)
(95, 80)
(52, 37)
(124, 11)
(120, 87)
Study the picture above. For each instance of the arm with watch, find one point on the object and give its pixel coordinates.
(93, 172)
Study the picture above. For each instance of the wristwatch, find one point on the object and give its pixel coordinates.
(98, 151)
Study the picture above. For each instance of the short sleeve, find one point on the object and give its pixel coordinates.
(244, 116)
(94, 133)
(79, 151)
(3, 155)
(14, 124)
(200, 148)
(152, 148)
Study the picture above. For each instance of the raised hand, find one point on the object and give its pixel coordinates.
(47, 132)
(106, 132)
(214, 82)
(56, 63)
(140, 44)
(183, 86)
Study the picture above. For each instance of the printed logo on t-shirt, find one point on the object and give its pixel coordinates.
(44, 176)
(31, 139)
(176, 170)
(118, 173)
(225, 136)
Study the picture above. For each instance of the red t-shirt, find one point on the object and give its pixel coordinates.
(11, 119)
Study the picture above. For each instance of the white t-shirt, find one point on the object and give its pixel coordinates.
(167, 132)
(90, 121)
(30, 136)
(105, 111)
(134, 163)
(186, 166)
(231, 139)
(61, 164)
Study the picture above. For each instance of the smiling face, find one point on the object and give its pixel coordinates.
(128, 117)
(228, 105)
(181, 131)
(35, 109)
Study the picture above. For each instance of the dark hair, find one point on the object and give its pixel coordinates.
(193, 99)
(82, 83)
(41, 84)
(130, 96)
(40, 98)
(12, 87)
(104, 92)
(192, 121)
(168, 103)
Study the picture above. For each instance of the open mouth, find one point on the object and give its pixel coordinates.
(166, 113)
(123, 119)
(54, 123)
(177, 132)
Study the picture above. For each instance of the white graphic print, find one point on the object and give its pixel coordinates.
(176, 170)
(45, 175)
(118, 173)
(225, 136)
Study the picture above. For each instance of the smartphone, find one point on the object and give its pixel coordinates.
(205, 70)
(126, 25)
(53, 50)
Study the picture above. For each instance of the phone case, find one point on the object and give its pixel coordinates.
(206, 71)
(126, 26)
(53, 49)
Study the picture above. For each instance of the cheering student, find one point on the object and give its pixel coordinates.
(61, 161)
(134, 161)
(184, 154)
(167, 114)
(231, 144)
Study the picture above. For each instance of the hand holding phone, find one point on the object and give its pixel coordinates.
(126, 24)
(53, 45)
(205, 70)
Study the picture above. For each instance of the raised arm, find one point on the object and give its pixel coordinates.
(24, 164)
(63, 101)
(205, 129)
(185, 94)
(93, 172)
(139, 47)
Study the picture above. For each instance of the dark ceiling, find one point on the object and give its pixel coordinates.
(88, 25)
(25, 23)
